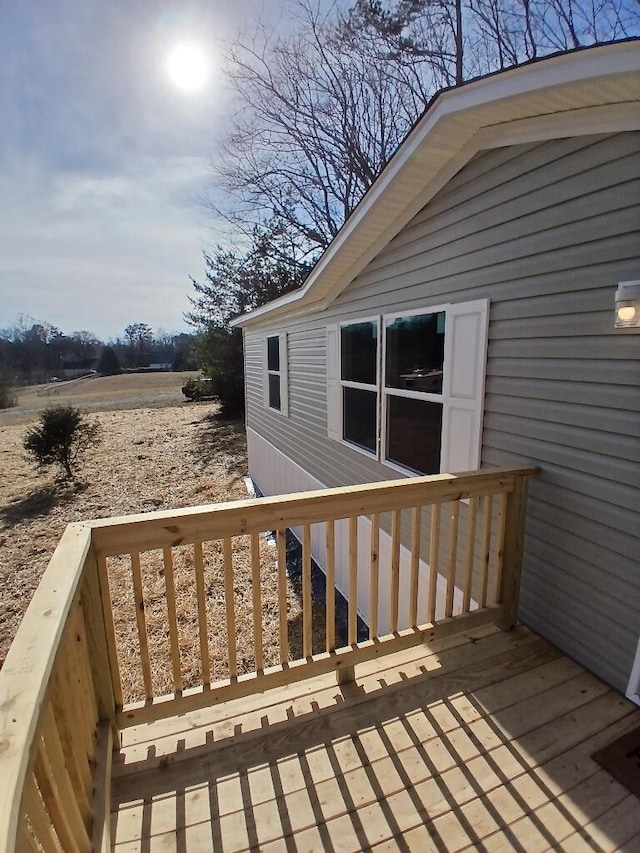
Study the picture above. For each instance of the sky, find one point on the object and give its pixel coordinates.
(104, 161)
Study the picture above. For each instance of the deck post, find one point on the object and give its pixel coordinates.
(93, 615)
(512, 551)
(346, 674)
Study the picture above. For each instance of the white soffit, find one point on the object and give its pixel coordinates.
(596, 90)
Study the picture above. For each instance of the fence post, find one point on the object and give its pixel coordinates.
(513, 546)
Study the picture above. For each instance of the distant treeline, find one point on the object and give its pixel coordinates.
(32, 352)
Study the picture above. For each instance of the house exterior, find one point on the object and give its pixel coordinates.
(464, 318)
(77, 368)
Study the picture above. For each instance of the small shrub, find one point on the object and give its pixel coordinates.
(198, 389)
(60, 438)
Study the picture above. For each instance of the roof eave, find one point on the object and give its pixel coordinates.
(440, 142)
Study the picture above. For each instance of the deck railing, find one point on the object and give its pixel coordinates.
(451, 561)
(57, 711)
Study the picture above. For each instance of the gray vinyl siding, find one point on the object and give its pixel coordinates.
(545, 231)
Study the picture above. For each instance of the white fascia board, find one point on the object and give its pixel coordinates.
(608, 118)
(457, 116)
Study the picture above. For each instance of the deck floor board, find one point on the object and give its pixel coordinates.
(483, 739)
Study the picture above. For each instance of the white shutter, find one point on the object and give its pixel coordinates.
(284, 374)
(265, 373)
(333, 387)
(465, 360)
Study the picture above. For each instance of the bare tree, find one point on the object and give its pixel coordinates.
(86, 343)
(140, 338)
(322, 109)
(317, 121)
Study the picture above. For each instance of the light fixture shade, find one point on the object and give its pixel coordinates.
(628, 305)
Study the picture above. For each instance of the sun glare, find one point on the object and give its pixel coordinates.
(187, 66)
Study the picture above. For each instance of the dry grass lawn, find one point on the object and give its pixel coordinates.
(149, 458)
(98, 393)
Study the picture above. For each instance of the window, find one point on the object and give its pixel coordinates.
(273, 370)
(416, 402)
(276, 380)
(359, 384)
(413, 399)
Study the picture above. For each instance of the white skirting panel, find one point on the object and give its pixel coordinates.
(633, 688)
(276, 474)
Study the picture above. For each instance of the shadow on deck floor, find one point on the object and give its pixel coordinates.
(480, 742)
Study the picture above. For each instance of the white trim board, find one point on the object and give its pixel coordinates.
(633, 688)
(275, 473)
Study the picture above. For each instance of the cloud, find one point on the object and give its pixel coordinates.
(101, 250)
(102, 162)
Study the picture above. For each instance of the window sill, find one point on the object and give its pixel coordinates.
(277, 411)
(368, 453)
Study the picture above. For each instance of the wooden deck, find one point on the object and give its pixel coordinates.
(476, 742)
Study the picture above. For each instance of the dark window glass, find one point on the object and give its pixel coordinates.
(414, 430)
(415, 353)
(273, 352)
(359, 352)
(359, 410)
(274, 391)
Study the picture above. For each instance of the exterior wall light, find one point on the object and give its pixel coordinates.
(628, 305)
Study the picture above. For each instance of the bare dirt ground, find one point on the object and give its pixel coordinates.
(149, 458)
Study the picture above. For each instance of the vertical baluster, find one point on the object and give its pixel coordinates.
(97, 650)
(76, 743)
(331, 585)
(257, 601)
(229, 605)
(141, 624)
(84, 675)
(353, 580)
(38, 817)
(375, 575)
(307, 616)
(202, 612)
(453, 555)
(53, 781)
(75, 726)
(109, 628)
(76, 720)
(515, 512)
(487, 501)
(26, 841)
(281, 539)
(395, 568)
(471, 544)
(415, 564)
(500, 540)
(434, 552)
(167, 558)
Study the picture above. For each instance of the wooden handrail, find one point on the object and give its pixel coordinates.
(170, 528)
(65, 654)
(466, 546)
(57, 650)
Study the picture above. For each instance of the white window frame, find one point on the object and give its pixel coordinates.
(282, 373)
(462, 396)
(361, 386)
